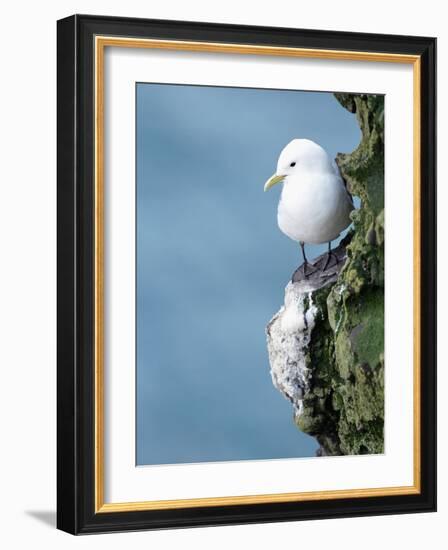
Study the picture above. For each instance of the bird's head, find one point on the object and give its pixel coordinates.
(298, 156)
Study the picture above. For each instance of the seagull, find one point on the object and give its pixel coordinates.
(315, 204)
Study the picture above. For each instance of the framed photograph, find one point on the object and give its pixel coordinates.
(246, 274)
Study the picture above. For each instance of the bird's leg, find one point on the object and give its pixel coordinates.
(329, 255)
(305, 261)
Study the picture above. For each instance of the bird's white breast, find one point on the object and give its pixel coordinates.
(314, 208)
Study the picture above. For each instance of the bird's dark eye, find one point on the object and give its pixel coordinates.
(292, 164)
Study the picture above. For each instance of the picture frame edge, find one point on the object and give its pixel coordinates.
(75, 407)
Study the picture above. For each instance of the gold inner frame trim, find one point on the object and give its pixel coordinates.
(101, 42)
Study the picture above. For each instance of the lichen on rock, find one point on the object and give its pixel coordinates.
(326, 344)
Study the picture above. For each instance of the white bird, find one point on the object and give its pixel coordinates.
(315, 205)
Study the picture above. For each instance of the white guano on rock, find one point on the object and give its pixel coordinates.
(288, 336)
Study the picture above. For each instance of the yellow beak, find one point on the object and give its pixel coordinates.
(272, 181)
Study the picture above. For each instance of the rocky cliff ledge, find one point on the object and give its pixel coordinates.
(326, 343)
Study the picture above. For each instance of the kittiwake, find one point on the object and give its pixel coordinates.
(315, 204)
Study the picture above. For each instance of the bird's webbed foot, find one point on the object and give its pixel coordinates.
(307, 271)
(304, 272)
(328, 260)
(330, 254)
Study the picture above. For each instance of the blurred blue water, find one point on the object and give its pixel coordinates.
(212, 266)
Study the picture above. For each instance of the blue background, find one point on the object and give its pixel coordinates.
(212, 266)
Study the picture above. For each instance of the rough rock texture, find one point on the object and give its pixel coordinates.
(326, 343)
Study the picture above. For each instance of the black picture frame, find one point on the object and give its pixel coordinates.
(75, 225)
